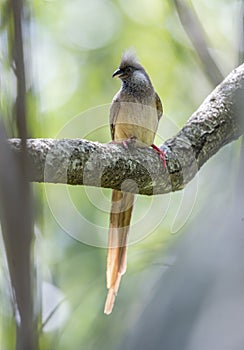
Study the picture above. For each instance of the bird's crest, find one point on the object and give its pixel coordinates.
(129, 58)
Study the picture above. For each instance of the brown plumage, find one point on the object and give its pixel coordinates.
(135, 112)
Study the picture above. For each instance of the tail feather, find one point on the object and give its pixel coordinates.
(122, 204)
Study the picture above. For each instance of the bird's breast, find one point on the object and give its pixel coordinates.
(136, 120)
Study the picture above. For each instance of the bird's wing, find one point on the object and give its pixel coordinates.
(114, 111)
(158, 106)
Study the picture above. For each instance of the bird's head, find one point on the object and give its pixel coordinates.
(130, 68)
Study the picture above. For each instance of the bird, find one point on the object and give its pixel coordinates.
(134, 115)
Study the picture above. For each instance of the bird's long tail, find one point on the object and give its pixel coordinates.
(120, 215)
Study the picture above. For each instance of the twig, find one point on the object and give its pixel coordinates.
(198, 37)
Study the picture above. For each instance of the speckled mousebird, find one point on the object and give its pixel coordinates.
(134, 114)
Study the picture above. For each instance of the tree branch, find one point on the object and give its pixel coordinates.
(217, 122)
(18, 227)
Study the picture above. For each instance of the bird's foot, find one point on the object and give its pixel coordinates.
(130, 141)
(161, 153)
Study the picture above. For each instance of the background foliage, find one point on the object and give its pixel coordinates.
(71, 51)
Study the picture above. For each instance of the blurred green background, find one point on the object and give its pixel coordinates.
(72, 48)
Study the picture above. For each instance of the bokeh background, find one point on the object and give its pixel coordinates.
(184, 286)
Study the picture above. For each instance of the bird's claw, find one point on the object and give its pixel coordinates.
(161, 153)
(129, 141)
(125, 143)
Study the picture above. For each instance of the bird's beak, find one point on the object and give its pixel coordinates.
(117, 73)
